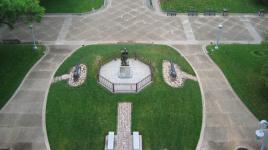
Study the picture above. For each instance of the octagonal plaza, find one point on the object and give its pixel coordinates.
(140, 76)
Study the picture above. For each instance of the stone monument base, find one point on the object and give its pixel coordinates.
(139, 76)
(125, 72)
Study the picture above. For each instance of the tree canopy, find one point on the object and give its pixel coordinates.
(13, 10)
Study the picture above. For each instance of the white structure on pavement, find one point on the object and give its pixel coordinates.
(137, 141)
(110, 141)
(140, 76)
(124, 140)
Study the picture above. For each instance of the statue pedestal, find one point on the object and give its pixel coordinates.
(125, 72)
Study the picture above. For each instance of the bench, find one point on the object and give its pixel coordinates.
(171, 13)
(192, 13)
(11, 41)
(210, 12)
(110, 141)
(136, 141)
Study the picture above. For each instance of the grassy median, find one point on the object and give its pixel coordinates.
(167, 118)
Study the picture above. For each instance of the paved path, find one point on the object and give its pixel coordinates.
(133, 21)
(227, 123)
(124, 140)
(22, 118)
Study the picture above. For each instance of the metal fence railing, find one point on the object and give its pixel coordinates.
(124, 87)
(144, 82)
(106, 83)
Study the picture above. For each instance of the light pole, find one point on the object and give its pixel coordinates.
(32, 30)
(262, 133)
(218, 36)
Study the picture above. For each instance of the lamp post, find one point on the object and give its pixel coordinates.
(262, 133)
(218, 36)
(32, 31)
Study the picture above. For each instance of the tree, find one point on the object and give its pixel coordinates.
(13, 10)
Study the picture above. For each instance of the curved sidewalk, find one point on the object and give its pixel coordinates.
(227, 123)
(22, 119)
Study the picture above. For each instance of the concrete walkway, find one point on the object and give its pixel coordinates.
(124, 140)
(133, 21)
(22, 119)
(227, 123)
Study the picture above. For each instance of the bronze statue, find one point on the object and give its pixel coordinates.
(124, 57)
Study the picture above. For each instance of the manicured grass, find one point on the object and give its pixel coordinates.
(70, 6)
(15, 62)
(235, 6)
(80, 118)
(242, 65)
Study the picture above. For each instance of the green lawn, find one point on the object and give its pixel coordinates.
(235, 6)
(242, 65)
(70, 6)
(15, 62)
(167, 118)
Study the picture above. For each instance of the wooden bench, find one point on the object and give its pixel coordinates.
(210, 12)
(171, 13)
(192, 13)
